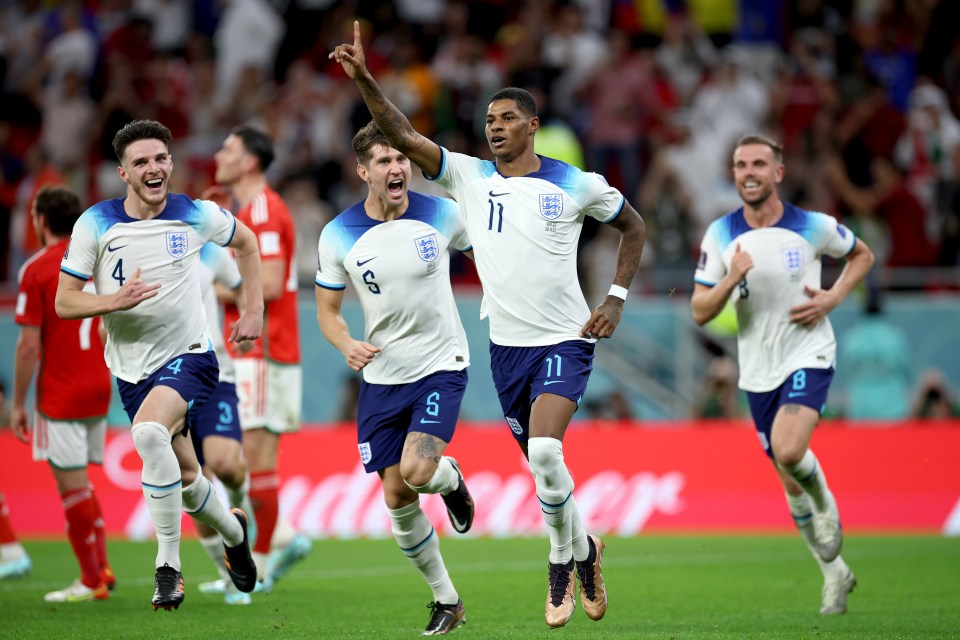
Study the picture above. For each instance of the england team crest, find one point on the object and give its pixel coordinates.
(427, 247)
(551, 205)
(792, 259)
(365, 454)
(177, 243)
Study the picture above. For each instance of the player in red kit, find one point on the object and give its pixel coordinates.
(268, 376)
(72, 393)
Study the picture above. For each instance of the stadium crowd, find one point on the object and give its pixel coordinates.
(863, 93)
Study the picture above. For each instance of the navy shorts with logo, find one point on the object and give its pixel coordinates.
(521, 374)
(386, 413)
(808, 387)
(192, 375)
(218, 416)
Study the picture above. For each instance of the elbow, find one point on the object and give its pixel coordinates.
(700, 318)
(62, 311)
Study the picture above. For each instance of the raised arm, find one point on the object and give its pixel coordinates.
(250, 324)
(334, 328)
(72, 302)
(422, 151)
(633, 233)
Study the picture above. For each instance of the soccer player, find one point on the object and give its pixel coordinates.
(392, 247)
(268, 376)
(767, 256)
(217, 437)
(524, 213)
(158, 344)
(14, 561)
(72, 395)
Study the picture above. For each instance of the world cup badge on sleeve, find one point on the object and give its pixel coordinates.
(427, 247)
(792, 259)
(551, 205)
(177, 243)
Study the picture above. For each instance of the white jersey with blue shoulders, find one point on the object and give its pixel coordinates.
(218, 266)
(525, 232)
(110, 246)
(401, 271)
(786, 257)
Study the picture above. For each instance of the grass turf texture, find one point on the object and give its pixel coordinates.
(660, 587)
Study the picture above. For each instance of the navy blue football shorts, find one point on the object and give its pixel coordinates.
(386, 413)
(521, 374)
(218, 416)
(808, 387)
(192, 375)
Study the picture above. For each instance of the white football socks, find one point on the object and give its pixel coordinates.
(800, 509)
(555, 492)
(444, 480)
(160, 480)
(419, 542)
(200, 501)
(809, 475)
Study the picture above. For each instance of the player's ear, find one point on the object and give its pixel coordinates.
(362, 172)
(122, 173)
(534, 124)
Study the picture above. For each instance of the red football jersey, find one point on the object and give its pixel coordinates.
(74, 382)
(268, 218)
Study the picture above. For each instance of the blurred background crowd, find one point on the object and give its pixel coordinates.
(864, 94)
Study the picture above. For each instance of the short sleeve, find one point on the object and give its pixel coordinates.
(710, 267)
(459, 239)
(832, 239)
(219, 224)
(599, 200)
(330, 271)
(225, 269)
(455, 168)
(80, 258)
(29, 310)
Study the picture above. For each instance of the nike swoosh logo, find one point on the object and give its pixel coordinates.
(223, 427)
(497, 195)
(162, 378)
(794, 394)
(153, 495)
(425, 421)
(360, 264)
(551, 382)
(458, 525)
(112, 249)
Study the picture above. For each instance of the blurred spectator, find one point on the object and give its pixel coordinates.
(574, 52)
(39, 172)
(875, 358)
(685, 54)
(719, 396)
(934, 400)
(248, 37)
(613, 406)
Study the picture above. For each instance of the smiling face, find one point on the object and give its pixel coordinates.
(387, 175)
(756, 172)
(233, 160)
(146, 168)
(509, 132)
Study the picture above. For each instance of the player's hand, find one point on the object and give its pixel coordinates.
(350, 56)
(360, 354)
(19, 424)
(217, 194)
(809, 313)
(242, 347)
(248, 327)
(604, 319)
(134, 291)
(740, 263)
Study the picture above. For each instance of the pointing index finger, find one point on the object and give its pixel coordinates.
(356, 33)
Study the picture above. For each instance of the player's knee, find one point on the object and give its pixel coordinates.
(225, 468)
(788, 455)
(544, 454)
(417, 475)
(150, 437)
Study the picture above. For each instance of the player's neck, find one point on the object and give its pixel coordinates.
(140, 210)
(767, 214)
(379, 210)
(526, 163)
(50, 239)
(247, 188)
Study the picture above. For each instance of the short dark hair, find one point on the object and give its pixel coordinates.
(756, 138)
(525, 101)
(60, 206)
(366, 139)
(139, 130)
(257, 143)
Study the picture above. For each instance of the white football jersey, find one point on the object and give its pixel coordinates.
(110, 246)
(401, 272)
(217, 265)
(524, 232)
(786, 257)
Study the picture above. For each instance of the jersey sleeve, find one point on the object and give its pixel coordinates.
(455, 169)
(224, 267)
(330, 271)
(457, 230)
(830, 237)
(29, 310)
(598, 199)
(80, 258)
(710, 267)
(218, 225)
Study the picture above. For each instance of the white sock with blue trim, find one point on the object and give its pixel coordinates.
(800, 509)
(160, 480)
(809, 475)
(419, 542)
(555, 492)
(200, 502)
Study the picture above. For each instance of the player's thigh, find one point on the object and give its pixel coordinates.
(284, 397)
(69, 445)
(165, 406)
(791, 433)
(396, 493)
(186, 458)
(260, 448)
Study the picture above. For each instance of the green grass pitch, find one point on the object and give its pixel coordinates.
(683, 587)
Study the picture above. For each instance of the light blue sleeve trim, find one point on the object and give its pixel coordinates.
(79, 276)
(623, 201)
(705, 283)
(331, 287)
(852, 245)
(470, 248)
(232, 231)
